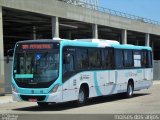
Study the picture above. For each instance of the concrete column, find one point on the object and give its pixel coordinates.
(95, 31)
(147, 39)
(124, 36)
(137, 43)
(153, 48)
(55, 27)
(1, 55)
(69, 35)
(34, 33)
(119, 39)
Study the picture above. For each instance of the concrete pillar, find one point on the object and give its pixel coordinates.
(55, 27)
(153, 48)
(147, 39)
(119, 38)
(124, 36)
(137, 43)
(69, 35)
(1, 55)
(34, 33)
(95, 31)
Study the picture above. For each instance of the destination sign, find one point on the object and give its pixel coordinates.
(36, 46)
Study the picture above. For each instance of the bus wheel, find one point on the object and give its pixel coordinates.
(130, 90)
(82, 97)
(42, 104)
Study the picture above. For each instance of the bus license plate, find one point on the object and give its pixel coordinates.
(32, 100)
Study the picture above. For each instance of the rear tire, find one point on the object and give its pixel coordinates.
(82, 97)
(42, 104)
(130, 90)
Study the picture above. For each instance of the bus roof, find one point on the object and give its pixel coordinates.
(102, 44)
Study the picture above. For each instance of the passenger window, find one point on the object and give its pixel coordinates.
(146, 59)
(150, 59)
(82, 58)
(95, 58)
(108, 60)
(119, 58)
(128, 59)
(137, 58)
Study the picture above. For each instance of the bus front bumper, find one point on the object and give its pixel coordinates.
(52, 97)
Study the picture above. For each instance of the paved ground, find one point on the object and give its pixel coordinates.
(144, 101)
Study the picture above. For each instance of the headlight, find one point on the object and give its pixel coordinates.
(55, 88)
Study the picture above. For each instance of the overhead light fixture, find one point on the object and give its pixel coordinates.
(70, 26)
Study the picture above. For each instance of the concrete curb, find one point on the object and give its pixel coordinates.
(156, 82)
(6, 99)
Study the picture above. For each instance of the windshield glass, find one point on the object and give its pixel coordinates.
(36, 66)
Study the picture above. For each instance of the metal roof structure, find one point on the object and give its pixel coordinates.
(84, 3)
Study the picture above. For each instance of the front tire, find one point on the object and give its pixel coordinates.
(82, 97)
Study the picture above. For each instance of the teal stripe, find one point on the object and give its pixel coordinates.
(96, 85)
(24, 76)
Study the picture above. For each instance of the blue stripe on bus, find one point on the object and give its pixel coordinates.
(96, 85)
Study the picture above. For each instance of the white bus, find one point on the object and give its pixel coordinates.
(54, 71)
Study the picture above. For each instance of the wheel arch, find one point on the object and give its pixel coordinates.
(86, 87)
(131, 81)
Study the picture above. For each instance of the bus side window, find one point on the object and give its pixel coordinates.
(82, 58)
(128, 59)
(146, 59)
(119, 58)
(108, 60)
(137, 58)
(95, 58)
(143, 60)
(111, 58)
(150, 59)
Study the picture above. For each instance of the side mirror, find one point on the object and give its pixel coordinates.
(9, 53)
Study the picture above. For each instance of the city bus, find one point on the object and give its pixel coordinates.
(59, 70)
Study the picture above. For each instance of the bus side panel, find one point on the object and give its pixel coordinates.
(148, 74)
(110, 87)
(146, 80)
(68, 94)
(72, 85)
(121, 80)
(102, 80)
(123, 76)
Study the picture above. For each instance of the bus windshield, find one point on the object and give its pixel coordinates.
(36, 66)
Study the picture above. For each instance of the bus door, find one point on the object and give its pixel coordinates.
(112, 71)
(68, 68)
(146, 64)
(110, 64)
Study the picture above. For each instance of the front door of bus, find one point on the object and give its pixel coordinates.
(69, 92)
